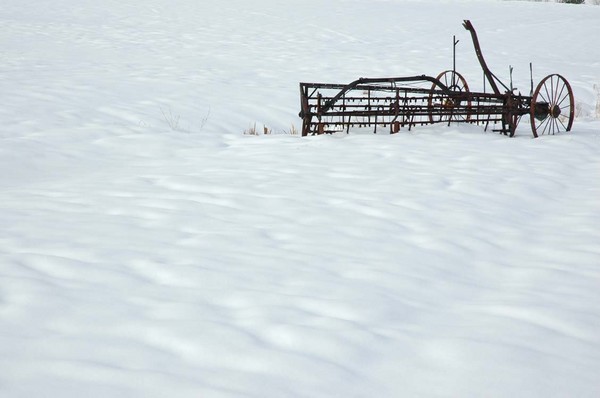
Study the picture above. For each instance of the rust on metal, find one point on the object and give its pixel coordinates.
(391, 104)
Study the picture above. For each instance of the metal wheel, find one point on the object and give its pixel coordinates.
(443, 108)
(552, 106)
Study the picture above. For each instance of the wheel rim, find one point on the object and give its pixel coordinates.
(441, 107)
(552, 106)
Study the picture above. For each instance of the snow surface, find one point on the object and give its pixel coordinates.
(149, 248)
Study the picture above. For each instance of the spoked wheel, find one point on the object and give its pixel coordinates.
(552, 106)
(444, 108)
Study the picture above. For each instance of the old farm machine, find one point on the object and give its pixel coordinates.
(389, 104)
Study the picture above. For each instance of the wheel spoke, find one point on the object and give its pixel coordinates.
(551, 88)
(556, 92)
(540, 92)
(549, 126)
(549, 96)
(559, 119)
(544, 98)
(566, 107)
(558, 82)
(543, 122)
(561, 91)
(563, 99)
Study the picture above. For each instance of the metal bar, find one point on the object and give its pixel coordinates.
(403, 106)
(486, 71)
(384, 80)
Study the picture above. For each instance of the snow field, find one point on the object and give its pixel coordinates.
(140, 261)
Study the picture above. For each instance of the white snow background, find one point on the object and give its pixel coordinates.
(148, 248)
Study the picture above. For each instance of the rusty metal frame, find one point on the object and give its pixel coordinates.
(398, 102)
